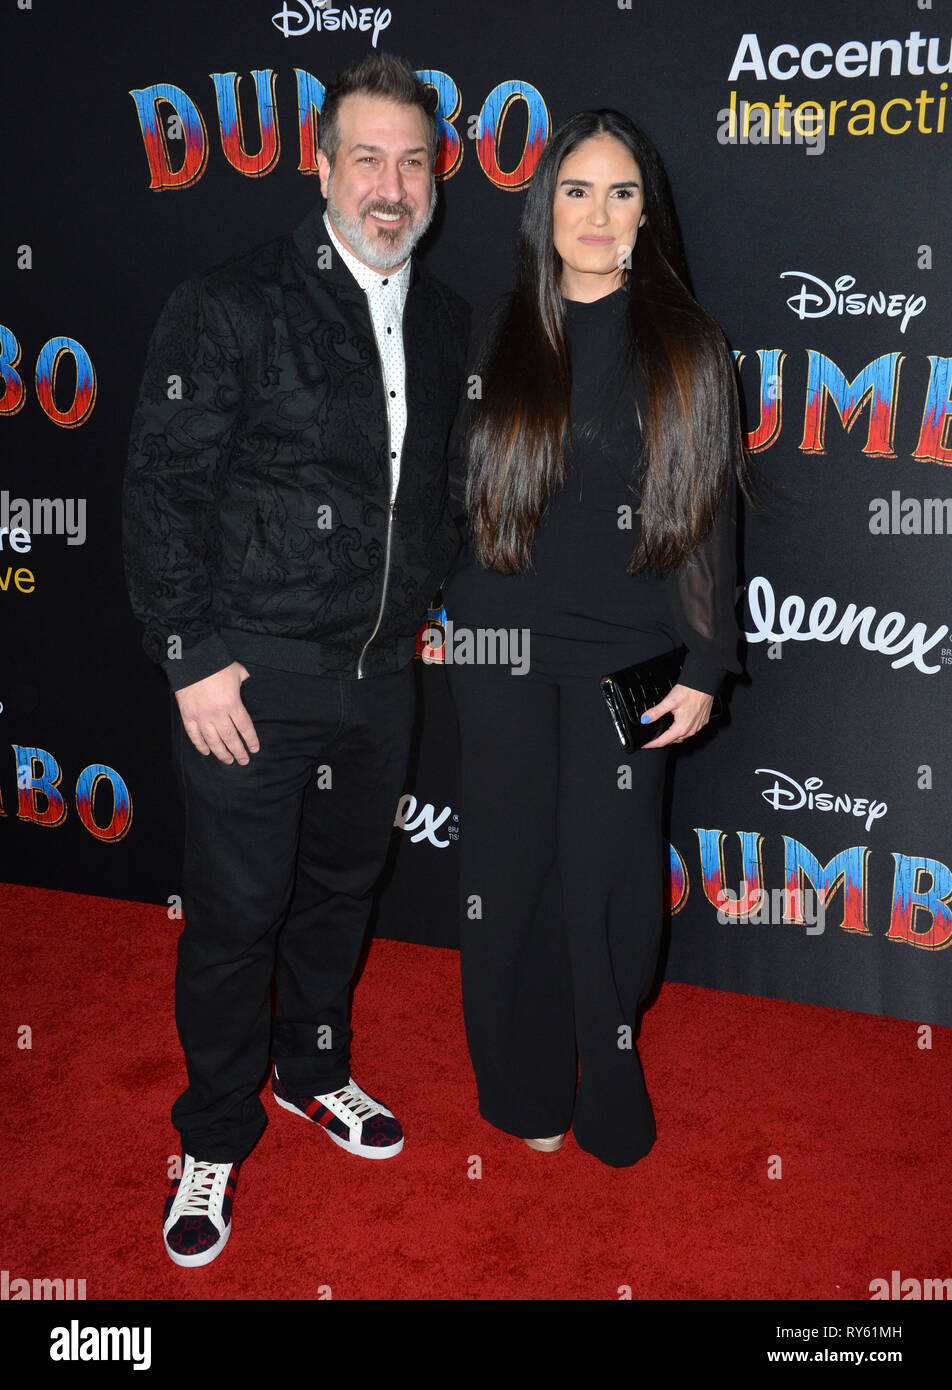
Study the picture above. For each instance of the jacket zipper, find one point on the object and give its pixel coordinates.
(391, 507)
(383, 596)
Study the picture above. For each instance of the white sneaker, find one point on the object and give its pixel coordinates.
(197, 1216)
(350, 1117)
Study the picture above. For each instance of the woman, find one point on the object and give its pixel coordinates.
(594, 479)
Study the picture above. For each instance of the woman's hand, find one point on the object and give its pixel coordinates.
(691, 710)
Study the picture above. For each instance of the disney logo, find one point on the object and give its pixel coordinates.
(295, 20)
(424, 823)
(815, 299)
(788, 795)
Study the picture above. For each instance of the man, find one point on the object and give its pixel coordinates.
(285, 523)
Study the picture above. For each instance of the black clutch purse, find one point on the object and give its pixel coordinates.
(633, 689)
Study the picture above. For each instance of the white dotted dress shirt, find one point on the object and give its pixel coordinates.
(386, 296)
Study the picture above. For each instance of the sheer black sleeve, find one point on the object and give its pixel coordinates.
(702, 596)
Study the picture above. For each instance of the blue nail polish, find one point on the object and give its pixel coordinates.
(645, 719)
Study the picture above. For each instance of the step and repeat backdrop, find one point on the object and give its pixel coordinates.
(808, 147)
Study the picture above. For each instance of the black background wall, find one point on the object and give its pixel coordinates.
(777, 232)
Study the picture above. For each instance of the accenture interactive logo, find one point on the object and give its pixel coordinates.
(795, 94)
(318, 16)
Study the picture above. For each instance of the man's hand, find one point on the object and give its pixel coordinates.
(215, 719)
(691, 710)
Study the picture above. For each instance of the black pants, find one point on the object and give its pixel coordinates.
(562, 859)
(281, 858)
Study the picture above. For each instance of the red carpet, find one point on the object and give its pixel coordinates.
(859, 1116)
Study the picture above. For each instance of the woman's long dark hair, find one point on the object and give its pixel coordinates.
(690, 422)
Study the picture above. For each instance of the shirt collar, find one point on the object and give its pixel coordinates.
(367, 278)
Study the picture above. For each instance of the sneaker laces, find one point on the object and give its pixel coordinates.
(200, 1187)
(357, 1102)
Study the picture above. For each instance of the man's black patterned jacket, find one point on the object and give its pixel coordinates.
(256, 505)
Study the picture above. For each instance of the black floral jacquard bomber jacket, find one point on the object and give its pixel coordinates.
(256, 504)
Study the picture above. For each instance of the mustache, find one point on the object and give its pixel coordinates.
(390, 208)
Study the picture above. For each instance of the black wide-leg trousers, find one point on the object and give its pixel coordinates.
(281, 859)
(562, 858)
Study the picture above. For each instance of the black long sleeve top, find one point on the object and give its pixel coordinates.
(582, 607)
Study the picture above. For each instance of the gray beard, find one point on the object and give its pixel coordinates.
(381, 249)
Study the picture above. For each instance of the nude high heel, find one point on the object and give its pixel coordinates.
(547, 1146)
